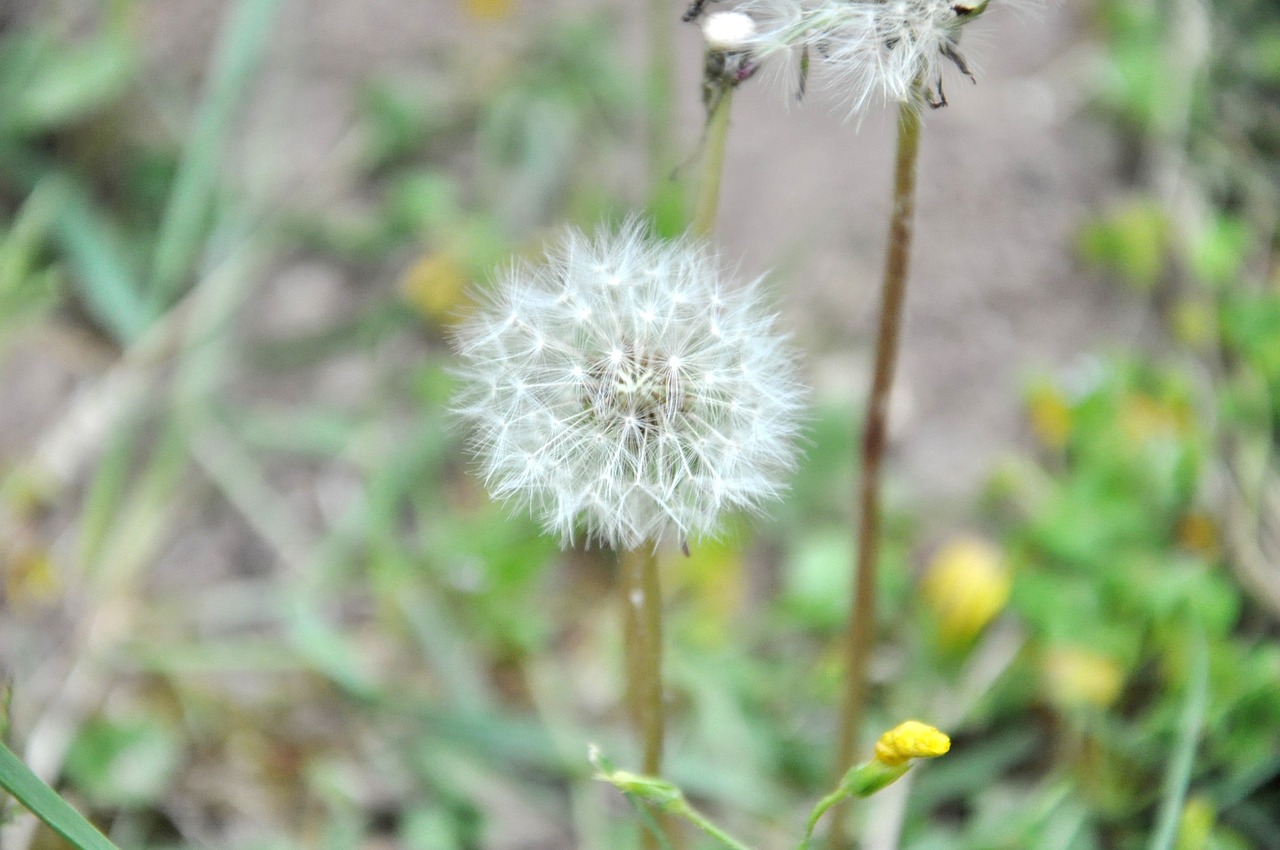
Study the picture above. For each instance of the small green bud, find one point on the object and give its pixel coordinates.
(867, 779)
(658, 793)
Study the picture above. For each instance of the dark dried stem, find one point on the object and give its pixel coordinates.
(861, 630)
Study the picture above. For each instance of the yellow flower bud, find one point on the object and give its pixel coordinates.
(911, 740)
(966, 585)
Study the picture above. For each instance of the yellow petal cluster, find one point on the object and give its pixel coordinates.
(911, 740)
(1050, 415)
(1077, 677)
(966, 585)
(435, 286)
(488, 10)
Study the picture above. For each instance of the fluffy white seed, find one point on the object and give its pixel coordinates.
(728, 30)
(621, 389)
(865, 51)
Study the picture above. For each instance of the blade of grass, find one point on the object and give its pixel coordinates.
(27, 291)
(106, 491)
(43, 802)
(1178, 776)
(239, 50)
(20, 247)
(143, 518)
(105, 281)
(103, 277)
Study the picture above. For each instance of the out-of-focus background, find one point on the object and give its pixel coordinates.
(252, 597)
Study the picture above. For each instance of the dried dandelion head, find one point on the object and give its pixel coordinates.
(622, 388)
(868, 51)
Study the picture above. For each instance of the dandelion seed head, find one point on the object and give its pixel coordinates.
(604, 390)
(866, 51)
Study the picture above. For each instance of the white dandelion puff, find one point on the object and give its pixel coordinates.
(623, 389)
(867, 51)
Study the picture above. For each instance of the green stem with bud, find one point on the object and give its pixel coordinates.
(861, 629)
(859, 782)
(651, 794)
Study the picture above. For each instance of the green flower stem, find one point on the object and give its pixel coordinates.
(642, 637)
(836, 796)
(861, 630)
(858, 782)
(701, 822)
(704, 217)
(649, 793)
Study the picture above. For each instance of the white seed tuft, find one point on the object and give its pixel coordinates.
(617, 411)
(726, 31)
(867, 51)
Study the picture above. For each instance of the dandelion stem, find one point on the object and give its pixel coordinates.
(861, 629)
(642, 634)
(717, 133)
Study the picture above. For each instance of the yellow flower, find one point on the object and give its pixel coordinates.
(435, 286)
(1144, 419)
(1198, 532)
(966, 585)
(1050, 415)
(1078, 677)
(488, 10)
(1195, 827)
(30, 575)
(911, 740)
(894, 752)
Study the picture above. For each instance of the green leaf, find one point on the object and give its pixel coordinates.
(817, 579)
(1131, 241)
(1178, 776)
(47, 85)
(124, 763)
(104, 278)
(1219, 252)
(239, 50)
(44, 803)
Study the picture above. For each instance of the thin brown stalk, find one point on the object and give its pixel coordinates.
(861, 630)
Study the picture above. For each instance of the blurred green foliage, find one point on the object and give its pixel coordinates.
(1120, 567)
(1150, 525)
(63, 96)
